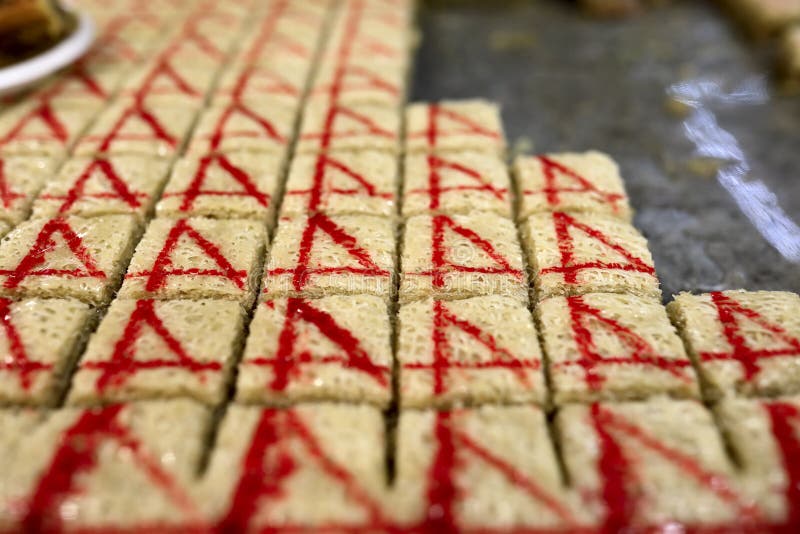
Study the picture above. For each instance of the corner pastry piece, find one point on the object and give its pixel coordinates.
(666, 453)
(575, 254)
(312, 467)
(91, 187)
(573, 182)
(334, 348)
(342, 182)
(117, 467)
(149, 349)
(39, 340)
(742, 342)
(455, 125)
(240, 185)
(21, 179)
(457, 182)
(604, 346)
(491, 469)
(331, 255)
(196, 258)
(459, 256)
(472, 351)
(67, 257)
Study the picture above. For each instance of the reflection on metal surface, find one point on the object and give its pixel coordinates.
(754, 198)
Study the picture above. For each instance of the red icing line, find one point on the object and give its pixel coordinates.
(163, 267)
(641, 352)
(76, 456)
(110, 174)
(562, 223)
(237, 174)
(292, 352)
(302, 272)
(435, 188)
(363, 79)
(619, 488)
(166, 71)
(16, 358)
(135, 110)
(270, 462)
(552, 191)
(36, 256)
(7, 194)
(123, 362)
(459, 125)
(441, 265)
(727, 311)
(265, 128)
(44, 112)
(781, 415)
(317, 193)
(443, 360)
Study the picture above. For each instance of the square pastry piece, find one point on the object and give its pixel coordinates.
(455, 125)
(40, 127)
(331, 255)
(457, 182)
(586, 182)
(132, 127)
(21, 179)
(643, 465)
(764, 435)
(197, 258)
(459, 256)
(39, 340)
(336, 126)
(491, 469)
(579, 253)
(605, 346)
(109, 469)
(471, 351)
(743, 342)
(90, 187)
(226, 186)
(67, 257)
(146, 349)
(342, 182)
(244, 127)
(313, 467)
(334, 348)
(358, 82)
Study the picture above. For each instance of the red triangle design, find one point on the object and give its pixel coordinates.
(236, 174)
(552, 169)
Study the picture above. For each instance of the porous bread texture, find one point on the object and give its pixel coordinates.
(545, 252)
(331, 268)
(378, 82)
(132, 357)
(266, 127)
(774, 328)
(336, 454)
(108, 242)
(489, 343)
(282, 80)
(645, 358)
(460, 125)
(749, 428)
(464, 257)
(764, 17)
(4, 228)
(221, 190)
(342, 183)
(72, 194)
(662, 443)
(241, 243)
(23, 178)
(120, 489)
(566, 193)
(456, 183)
(790, 57)
(344, 357)
(49, 333)
(23, 131)
(498, 453)
(330, 126)
(123, 128)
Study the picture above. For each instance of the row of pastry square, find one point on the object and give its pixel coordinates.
(325, 466)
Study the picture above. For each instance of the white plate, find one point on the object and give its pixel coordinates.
(18, 76)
